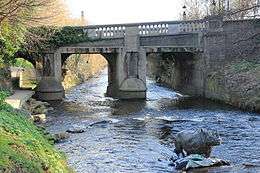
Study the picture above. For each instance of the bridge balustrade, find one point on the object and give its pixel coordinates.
(146, 29)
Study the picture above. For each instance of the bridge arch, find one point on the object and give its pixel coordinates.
(109, 57)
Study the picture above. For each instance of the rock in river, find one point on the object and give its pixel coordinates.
(60, 137)
(39, 118)
(76, 129)
(196, 142)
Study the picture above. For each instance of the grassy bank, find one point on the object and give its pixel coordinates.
(24, 147)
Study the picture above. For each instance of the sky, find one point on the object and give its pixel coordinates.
(126, 11)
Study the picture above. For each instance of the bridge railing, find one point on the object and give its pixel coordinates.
(147, 29)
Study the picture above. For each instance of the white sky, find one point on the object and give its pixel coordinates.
(126, 11)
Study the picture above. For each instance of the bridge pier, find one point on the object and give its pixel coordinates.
(132, 75)
(127, 75)
(50, 88)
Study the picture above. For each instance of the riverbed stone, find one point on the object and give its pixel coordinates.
(39, 118)
(253, 119)
(252, 164)
(103, 122)
(60, 137)
(76, 129)
(37, 107)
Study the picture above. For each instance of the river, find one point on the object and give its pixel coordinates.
(138, 135)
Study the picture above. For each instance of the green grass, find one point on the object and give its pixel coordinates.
(24, 147)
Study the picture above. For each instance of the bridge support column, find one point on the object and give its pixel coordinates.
(130, 75)
(112, 88)
(50, 87)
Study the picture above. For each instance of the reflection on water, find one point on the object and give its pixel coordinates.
(138, 136)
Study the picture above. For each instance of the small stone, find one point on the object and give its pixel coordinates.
(76, 129)
(253, 119)
(103, 122)
(253, 164)
(50, 109)
(40, 110)
(36, 104)
(60, 137)
(248, 165)
(46, 103)
(39, 118)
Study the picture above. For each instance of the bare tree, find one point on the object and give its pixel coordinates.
(233, 9)
(240, 9)
(195, 9)
(20, 10)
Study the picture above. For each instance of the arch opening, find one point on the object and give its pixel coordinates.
(173, 69)
(23, 73)
(78, 68)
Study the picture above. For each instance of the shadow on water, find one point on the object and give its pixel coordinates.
(137, 136)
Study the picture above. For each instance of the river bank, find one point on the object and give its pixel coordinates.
(25, 148)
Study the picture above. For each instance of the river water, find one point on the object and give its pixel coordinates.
(137, 136)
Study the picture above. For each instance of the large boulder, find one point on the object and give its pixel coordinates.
(200, 142)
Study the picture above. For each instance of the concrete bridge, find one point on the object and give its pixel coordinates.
(126, 48)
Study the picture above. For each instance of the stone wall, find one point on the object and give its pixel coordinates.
(228, 69)
(79, 68)
(153, 65)
(237, 84)
(232, 64)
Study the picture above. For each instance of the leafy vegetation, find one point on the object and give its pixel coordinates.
(23, 146)
(17, 16)
(20, 62)
(11, 37)
(52, 37)
(3, 95)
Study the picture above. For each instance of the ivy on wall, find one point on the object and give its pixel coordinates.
(40, 39)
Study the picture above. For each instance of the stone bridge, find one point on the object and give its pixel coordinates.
(126, 48)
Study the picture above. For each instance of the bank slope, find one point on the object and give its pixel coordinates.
(24, 148)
